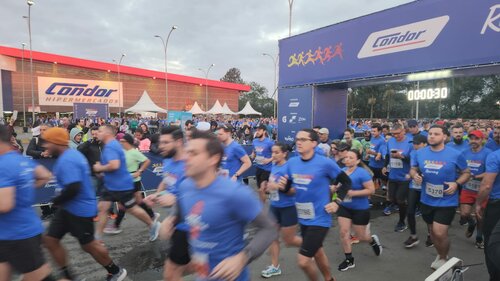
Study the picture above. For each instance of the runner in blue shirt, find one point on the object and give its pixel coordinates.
(217, 211)
(311, 175)
(414, 195)
(20, 227)
(77, 206)
(440, 170)
(262, 156)
(172, 148)
(377, 153)
(476, 161)
(490, 187)
(457, 139)
(398, 165)
(494, 143)
(354, 211)
(118, 183)
(282, 198)
(235, 161)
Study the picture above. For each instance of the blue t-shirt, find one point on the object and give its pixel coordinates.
(216, 232)
(413, 185)
(358, 178)
(278, 198)
(399, 168)
(493, 166)
(492, 145)
(118, 180)
(438, 167)
(173, 175)
(378, 145)
(263, 150)
(476, 161)
(461, 147)
(311, 180)
(72, 167)
(21, 222)
(231, 160)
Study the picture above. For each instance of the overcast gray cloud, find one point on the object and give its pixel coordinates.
(229, 33)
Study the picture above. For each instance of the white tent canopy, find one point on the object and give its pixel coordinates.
(227, 110)
(145, 104)
(216, 109)
(248, 110)
(196, 109)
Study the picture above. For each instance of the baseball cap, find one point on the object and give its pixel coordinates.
(412, 123)
(262, 127)
(203, 126)
(419, 139)
(477, 134)
(441, 123)
(57, 136)
(324, 131)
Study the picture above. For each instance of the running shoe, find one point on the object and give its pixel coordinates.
(463, 221)
(154, 231)
(376, 246)
(271, 271)
(428, 242)
(470, 230)
(346, 265)
(354, 240)
(113, 216)
(438, 262)
(411, 242)
(120, 276)
(418, 213)
(480, 244)
(112, 229)
(400, 227)
(387, 210)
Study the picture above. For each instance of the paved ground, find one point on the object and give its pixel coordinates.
(144, 259)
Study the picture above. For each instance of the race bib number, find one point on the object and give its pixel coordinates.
(434, 190)
(305, 210)
(473, 185)
(201, 265)
(170, 180)
(274, 196)
(259, 160)
(396, 163)
(224, 173)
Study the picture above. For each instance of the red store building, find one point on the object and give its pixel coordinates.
(59, 81)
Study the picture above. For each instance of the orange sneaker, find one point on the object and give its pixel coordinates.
(354, 240)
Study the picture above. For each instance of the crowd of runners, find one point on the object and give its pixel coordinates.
(430, 169)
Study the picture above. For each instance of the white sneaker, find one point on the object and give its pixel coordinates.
(438, 262)
(112, 230)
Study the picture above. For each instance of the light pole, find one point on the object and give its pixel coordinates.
(165, 46)
(24, 93)
(31, 3)
(290, 5)
(206, 83)
(120, 94)
(275, 62)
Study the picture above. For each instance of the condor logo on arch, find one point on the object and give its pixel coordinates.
(403, 38)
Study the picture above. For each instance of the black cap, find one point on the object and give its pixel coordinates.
(412, 123)
(343, 146)
(262, 127)
(419, 139)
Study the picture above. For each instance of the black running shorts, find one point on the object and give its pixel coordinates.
(126, 198)
(312, 239)
(81, 228)
(179, 248)
(358, 217)
(24, 255)
(261, 176)
(442, 215)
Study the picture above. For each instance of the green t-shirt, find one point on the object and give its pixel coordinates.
(134, 160)
(133, 124)
(355, 145)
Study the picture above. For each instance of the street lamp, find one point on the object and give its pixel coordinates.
(206, 83)
(165, 46)
(275, 62)
(24, 93)
(290, 6)
(120, 94)
(31, 3)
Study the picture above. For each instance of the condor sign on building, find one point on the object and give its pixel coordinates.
(60, 81)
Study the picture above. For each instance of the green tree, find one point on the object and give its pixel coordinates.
(233, 75)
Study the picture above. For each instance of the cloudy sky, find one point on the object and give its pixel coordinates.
(228, 33)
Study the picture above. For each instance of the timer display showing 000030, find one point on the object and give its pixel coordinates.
(428, 94)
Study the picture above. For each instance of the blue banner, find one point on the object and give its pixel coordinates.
(419, 36)
(179, 117)
(90, 110)
(294, 112)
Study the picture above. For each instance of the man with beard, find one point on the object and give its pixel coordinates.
(172, 148)
(476, 161)
(77, 203)
(494, 143)
(457, 142)
(440, 170)
(262, 153)
(92, 149)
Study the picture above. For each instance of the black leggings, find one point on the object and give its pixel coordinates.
(413, 202)
(398, 193)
